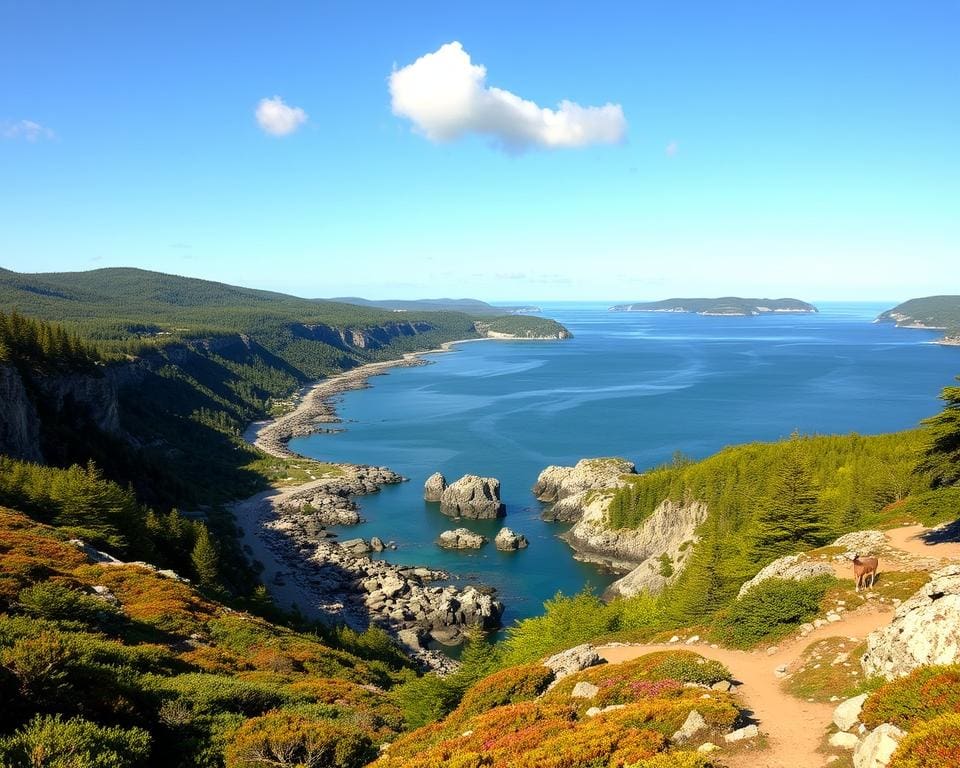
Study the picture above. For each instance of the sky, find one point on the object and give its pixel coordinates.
(497, 150)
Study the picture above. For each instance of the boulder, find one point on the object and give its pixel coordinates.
(862, 542)
(878, 747)
(924, 630)
(747, 732)
(693, 725)
(791, 567)
(434, 487)
(376, 544)
(356, 546)
(843, 740)
(473, 497)
(572, 660)
(508, 541)
(584, 690)
(461, 538)
(847, 713)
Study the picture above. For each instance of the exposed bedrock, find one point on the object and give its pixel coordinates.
(477, 498)
(568, 489)
(434, 487)
(655, 552)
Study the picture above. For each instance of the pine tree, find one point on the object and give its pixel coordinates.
(788, 518)
(206, 559)
(941, 459)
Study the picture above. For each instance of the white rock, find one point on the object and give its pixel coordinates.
(707, 747)
(791, 567)
(571, 661)
(747, 732)
(584, 690)
(878, 747)
(691, 727)
(843, 740)
(847, 714)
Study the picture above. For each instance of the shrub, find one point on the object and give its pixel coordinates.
(288, 739)
(675, 760)
(425, 699)
(770, 610)
(51, 742)
(505, 687)
(210, 694)
(39, 665)
(934, 744)
(56, 601)
(923, 694)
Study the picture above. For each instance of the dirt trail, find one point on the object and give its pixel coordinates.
(795, 727)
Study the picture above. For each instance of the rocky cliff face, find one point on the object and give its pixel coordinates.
(375, 337)
(668, 531)
(79, 400)
(19, 424)
(568, 488)
(473, 497)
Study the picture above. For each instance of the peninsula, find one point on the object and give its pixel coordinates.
(725, 306)
(935, 313)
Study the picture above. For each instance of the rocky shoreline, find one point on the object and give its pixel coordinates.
(285, 534)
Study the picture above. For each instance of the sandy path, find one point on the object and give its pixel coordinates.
(795, 728)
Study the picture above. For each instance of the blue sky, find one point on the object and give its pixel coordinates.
(808, 149)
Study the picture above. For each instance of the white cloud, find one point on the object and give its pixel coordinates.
(278, 119)
(28, 130)
(672, 148)
(446, 96)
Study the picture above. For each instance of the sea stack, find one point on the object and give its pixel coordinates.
(434, 487)
(509, 541)
(461, 538)
(474, 497)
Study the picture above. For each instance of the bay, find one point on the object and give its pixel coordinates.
(636, 385)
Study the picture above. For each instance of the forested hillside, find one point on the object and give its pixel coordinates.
(939, 312)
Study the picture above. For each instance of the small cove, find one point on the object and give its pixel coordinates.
(636, 385)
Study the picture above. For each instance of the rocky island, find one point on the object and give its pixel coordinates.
(473, 497)
(726, 306)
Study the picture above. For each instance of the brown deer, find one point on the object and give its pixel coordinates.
(864, 568)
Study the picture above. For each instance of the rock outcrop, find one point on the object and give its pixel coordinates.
(862, 542)
(477, 498)
(924, 630)
(461, 538)
(434, 487)
(509, 541)
(668, 533)
(878, 747)
(571, 661)
(847, 713)
(792, 568)
(19, 423)
(328, 501)
(567, 489)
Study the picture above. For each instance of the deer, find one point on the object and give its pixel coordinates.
(864, 568)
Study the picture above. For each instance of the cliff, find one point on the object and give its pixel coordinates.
(655, 552)
(568, 489)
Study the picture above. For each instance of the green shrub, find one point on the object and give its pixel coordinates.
(426, 699)
(922, 695)
(211, 694)
(51, 742)
(689, 668)
(770, 610)
(675, 760)
(935, 744)
(505, 687)
(290, 739)
(58, 602)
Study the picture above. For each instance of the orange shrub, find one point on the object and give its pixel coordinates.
(167, 605)
(934, 744)
(287, 739)
(367, 706)
(921, 695)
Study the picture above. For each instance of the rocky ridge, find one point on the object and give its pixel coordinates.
(668, 532)
(567, 489)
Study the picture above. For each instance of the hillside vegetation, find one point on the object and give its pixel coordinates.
(939, 312)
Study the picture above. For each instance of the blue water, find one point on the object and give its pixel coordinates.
(635, 385)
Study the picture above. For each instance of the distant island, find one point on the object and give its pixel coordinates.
(468, 306)
(726, 306)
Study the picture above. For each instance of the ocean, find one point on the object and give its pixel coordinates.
(637, 385)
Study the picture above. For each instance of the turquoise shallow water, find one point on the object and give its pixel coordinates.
(635, 385)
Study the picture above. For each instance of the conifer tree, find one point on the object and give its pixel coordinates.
(788, 518)
(206, 559)
(941, 459)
